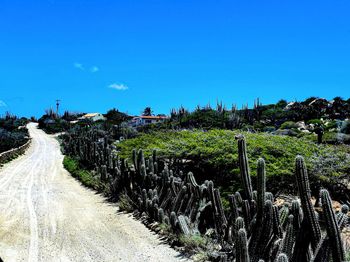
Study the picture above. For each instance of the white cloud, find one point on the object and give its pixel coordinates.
(118, 86)
(94, 69)
(79, 66)
(2, 104)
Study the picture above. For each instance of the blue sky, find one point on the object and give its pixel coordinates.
(99, 54)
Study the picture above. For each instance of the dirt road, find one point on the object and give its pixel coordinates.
(46, 215)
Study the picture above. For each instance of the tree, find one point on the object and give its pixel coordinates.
(116, 117)
(282, 103)
(147, 111)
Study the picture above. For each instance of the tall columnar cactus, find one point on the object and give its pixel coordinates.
(342, 217)
(155, 161)
(173, 220)
(261, 183)
(234, 208)
(297, 215)
(247, 215)
(183, 225)
(141, 164)
(277, 227)
(282, 258)
(289, 238)
(179, 199)
(244, 168)
(220, 209)
(134, 159)
(238, 224)
(261, 237)
(238, 198)
(332, 228)
(242, 254)
(305, 197)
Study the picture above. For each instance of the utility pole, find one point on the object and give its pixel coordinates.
(57, 106)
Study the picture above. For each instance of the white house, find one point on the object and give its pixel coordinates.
(93, 117)
(145, 120)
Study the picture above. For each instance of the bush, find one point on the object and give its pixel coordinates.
(345, 127)
(192, 242)
(289, 125)
(85, 176)
(316, 122)
(213, 154)
(269, 129)
(13, 132)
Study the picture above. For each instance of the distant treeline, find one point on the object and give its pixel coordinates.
(259, 117)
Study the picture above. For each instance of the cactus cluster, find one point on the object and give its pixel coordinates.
(253, 229)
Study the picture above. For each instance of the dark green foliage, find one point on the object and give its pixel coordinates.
(85, 176)
(115, 117)
(13, 132)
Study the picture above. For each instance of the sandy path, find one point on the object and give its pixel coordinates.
(46, 215)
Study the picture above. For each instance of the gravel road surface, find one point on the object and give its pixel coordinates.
(46, 215)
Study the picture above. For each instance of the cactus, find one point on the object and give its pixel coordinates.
(234, 208)
(244, 168)
(297, 216)
(220, 209)
(238, 198)
(183, 225)
(173, 220)
(305, 196)
(155, 161)
(282, 258)
(134, 159)
(283, 215)
(332, 228)
(288, 240)
(323, 251)
(342, 217)
(277, 228)
(239, 223)
(242, 246)
(179, 198)
(261, 182)
(170, 197)
(246, 214)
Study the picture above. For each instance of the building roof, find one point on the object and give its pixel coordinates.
(151, 117)
(90, 115)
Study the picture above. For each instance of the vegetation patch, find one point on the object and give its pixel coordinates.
(86, 177)
(13, 132)
(125, 203)
(213, 155)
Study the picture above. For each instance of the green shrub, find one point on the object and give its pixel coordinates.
(314, 122)
(289, 125)
(213, 154)
(84, 176)
(269, 129)
(333, 124)
(193, 242)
